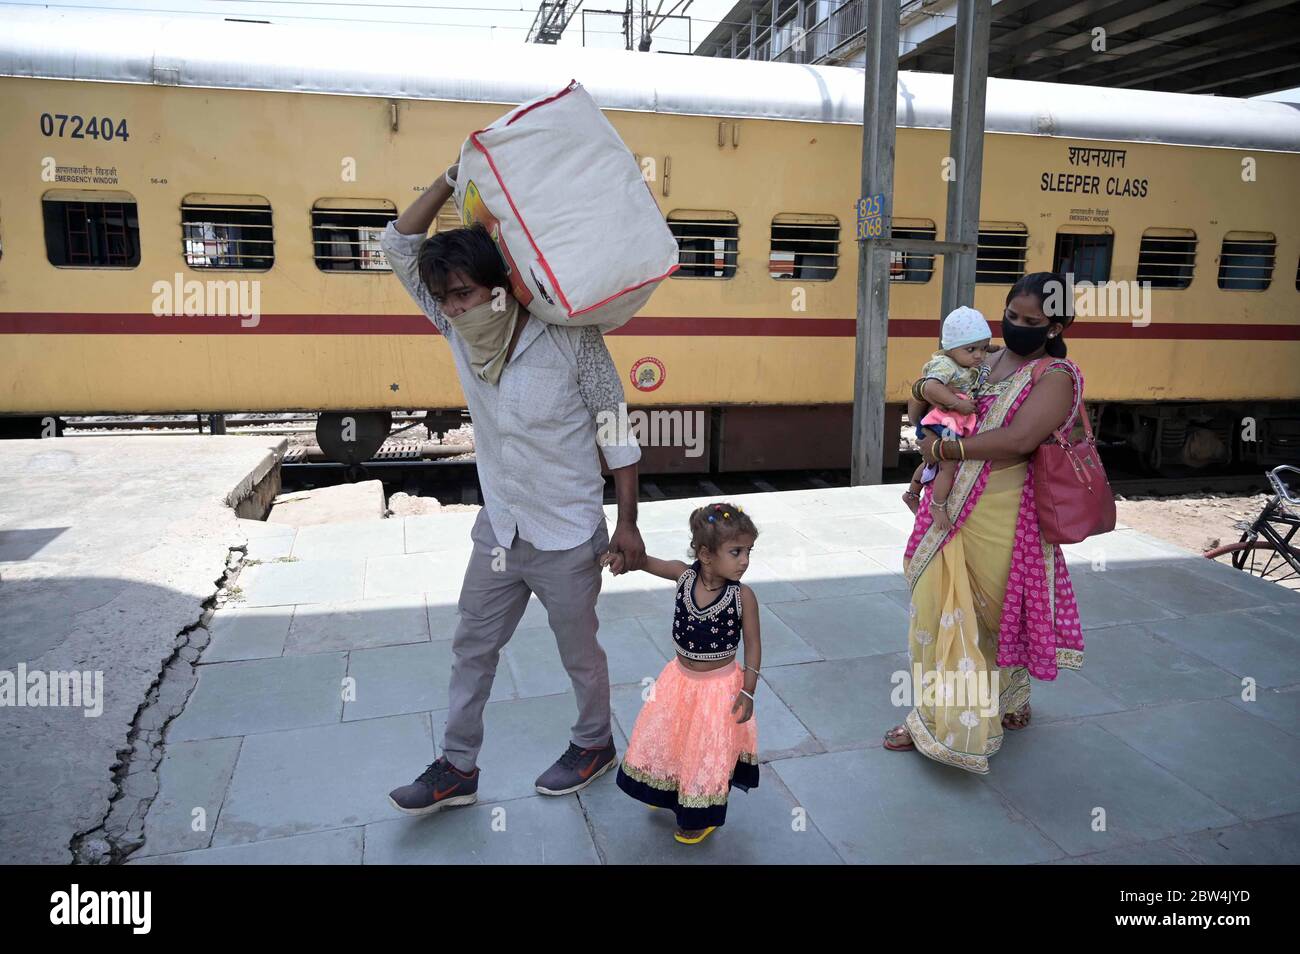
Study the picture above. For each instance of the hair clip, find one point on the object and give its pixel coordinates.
(710, 518)
(727, 515)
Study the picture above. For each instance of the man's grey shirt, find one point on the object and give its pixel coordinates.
(535, 431)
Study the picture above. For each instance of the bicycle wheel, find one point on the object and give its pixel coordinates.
(1262, 558)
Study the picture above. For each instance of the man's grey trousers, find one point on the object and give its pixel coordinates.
(498, 582)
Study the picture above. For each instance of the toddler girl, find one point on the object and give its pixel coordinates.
(696, 735)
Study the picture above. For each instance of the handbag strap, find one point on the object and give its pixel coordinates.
(1062, 434)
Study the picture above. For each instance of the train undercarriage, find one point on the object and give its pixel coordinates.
(1168, 439)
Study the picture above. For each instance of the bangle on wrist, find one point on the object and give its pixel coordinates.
(743, 692)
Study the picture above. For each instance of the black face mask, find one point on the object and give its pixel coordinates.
(1023, 341)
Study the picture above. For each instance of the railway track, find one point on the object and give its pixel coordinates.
(456, 481)
(446, 470)
(1201, 485)
(249, 423)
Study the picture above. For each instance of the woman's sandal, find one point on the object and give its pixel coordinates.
(1018, 719)
(696, 837)
(894, 739)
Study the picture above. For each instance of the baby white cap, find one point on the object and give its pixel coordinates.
(963, 326)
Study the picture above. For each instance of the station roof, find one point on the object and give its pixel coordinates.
(1233, 48)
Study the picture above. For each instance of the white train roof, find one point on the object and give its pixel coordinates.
(406, 62)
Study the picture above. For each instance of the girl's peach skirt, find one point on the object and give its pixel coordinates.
(686, 749)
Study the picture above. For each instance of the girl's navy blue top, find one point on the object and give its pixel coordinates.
(710, 632)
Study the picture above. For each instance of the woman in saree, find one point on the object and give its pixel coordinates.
(992, 603)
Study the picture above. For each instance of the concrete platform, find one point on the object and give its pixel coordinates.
(109, 547)
(1154, 730)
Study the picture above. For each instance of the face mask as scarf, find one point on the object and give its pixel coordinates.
(1023, 341)
(487, 332)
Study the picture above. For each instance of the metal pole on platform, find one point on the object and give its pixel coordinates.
(970, 73)
(879, 114)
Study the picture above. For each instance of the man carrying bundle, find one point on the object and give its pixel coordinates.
(534, 391)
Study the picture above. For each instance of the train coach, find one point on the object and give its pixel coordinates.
(190, 213)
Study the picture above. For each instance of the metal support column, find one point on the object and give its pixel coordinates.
(960, 246)
(966, 147)
(879, 116)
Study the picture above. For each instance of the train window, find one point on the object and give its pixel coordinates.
(1246, 260)
(1167, 257)
(914, 267)
(708, 243)
(91, 228)
(227, 231)
(1000, 257)
(1084, 252)
(345, 234)
(805, 247)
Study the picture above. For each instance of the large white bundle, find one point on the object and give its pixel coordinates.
(565, 200)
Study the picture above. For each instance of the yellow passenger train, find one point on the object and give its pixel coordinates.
(190, 210)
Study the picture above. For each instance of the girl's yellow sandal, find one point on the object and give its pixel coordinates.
(697, 839)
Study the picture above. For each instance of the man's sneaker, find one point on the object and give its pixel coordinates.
(576, 769)
(441, 785)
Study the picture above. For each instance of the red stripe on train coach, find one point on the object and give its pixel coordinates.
(144, 323)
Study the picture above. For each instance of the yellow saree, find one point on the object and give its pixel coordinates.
(953, 634)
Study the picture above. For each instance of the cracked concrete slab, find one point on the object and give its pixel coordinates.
(109, 547)
(193, 778)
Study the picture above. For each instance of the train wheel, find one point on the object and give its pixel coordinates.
(352, 437)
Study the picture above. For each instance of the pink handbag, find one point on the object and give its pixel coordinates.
(1071, 491)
